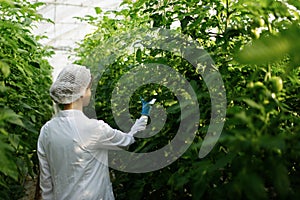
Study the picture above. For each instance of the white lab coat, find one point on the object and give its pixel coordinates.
(73, 156)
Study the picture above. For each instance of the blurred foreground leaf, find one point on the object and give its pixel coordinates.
(272, 48)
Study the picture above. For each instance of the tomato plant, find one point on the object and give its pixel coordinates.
(257, 155)
(24, 101)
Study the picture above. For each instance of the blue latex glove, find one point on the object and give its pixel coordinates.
(146, 106)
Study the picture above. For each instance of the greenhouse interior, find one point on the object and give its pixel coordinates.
(64, 30)
(149, 99)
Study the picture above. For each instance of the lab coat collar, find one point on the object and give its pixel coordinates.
(70, 113)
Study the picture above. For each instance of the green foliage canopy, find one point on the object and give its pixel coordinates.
(25, 78)
(257, 156)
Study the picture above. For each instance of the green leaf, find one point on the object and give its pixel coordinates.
(252, 185)
(275, 143)
(98, 10)
(139, 55)
(223, 161)
(295, 3)
(5, 68)
(272, 48)
(38, 4)
(10, 116)
(14, 140)
(6, 2)
(281, 180)
(253, 104)
(7, 165)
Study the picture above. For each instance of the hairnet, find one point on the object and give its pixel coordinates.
(70, 84)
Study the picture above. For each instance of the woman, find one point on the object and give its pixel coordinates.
(73, 149)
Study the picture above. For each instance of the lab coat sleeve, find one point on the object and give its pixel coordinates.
(45, 175)
(110, 138)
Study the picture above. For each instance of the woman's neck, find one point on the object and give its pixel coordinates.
(77, 105)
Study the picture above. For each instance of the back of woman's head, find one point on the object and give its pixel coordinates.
(70, 84)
